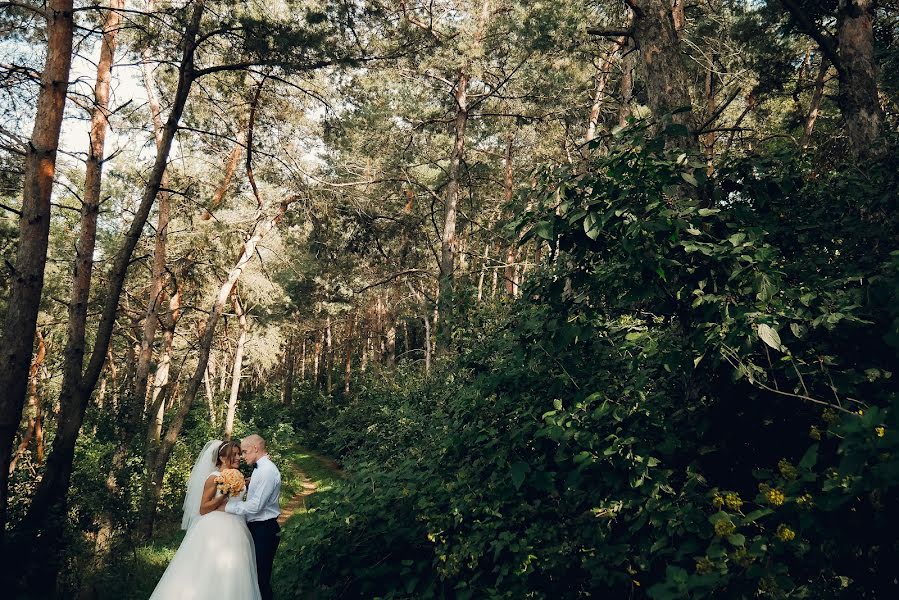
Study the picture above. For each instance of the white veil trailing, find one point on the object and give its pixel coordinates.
(203, 468)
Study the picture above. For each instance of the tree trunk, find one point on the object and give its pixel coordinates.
(316, 361)
(448, 239)
(289, 367)
(858, 76)
(348, 354)
(50, 497)
(303, 361)
(34, 231)
(628, 62)
(815, 105)
(238, 366)
(33, 431)
(157, 277)
(427, 324)
(161, 379)
(665, 72)
(329, 356)
(508, 184)
(602, 80)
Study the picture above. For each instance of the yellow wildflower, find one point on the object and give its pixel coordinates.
(804, 501)
(704, 565)
(786, 469)
(775, 497)
(764, 488)
(733, 501)
(724, 527)
(717, 501)
(785, 534)
(830, 416)
(814, 433)
(880, 431)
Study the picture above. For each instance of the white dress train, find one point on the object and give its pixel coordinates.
(216, 561)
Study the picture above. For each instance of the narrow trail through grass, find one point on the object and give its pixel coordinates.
(311, 473)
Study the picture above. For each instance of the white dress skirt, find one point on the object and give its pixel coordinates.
(216, 561)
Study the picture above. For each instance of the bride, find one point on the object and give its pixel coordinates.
(216, 559)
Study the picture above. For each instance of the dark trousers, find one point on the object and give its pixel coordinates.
(266, 536)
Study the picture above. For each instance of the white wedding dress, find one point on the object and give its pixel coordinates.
(216, 560)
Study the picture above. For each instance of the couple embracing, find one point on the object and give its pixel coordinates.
(229, 548)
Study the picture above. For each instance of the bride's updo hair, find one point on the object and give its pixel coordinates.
(226, 451)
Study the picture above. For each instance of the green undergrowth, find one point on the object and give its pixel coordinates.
(695, 397)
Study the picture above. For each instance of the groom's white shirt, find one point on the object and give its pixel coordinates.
(263, 496)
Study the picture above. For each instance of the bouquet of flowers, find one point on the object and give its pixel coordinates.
(230, 482)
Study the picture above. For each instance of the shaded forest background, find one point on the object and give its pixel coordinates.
(585, 297)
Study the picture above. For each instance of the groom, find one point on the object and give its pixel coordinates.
(261, 508)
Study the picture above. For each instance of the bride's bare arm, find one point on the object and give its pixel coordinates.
(210, 502)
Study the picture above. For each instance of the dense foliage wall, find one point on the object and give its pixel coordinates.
(694, 397)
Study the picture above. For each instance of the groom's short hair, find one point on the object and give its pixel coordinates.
(256, 440)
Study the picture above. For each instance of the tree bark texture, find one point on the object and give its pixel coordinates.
(858, 75)
(27, 281)
(665, 72)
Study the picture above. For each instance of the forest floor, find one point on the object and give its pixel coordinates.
(137, 571)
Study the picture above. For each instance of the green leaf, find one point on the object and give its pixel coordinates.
(518, 471)
(544, 229)
(688, 177)
(756, 515)
(705, 212)
(737, 539)
(557, 404)
(809, 458)
(769, 336)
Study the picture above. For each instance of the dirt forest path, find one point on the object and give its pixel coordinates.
(310, 470)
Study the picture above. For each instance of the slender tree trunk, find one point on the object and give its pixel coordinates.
(602, 80)
(210, 395)
(289, 367)
(303, 361)
(348, 354)
(483, 272)
(329, 357)
(448, 238)
(390, 346)
(27, 283)
(157, 277)
(449, 243)
(316, 361)
(223, 372)
(238, 366)
(161, 379)
(508, 185)
(50, 496)
(628, 62)
(427, 324)
(815, 105)
(858, 75)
